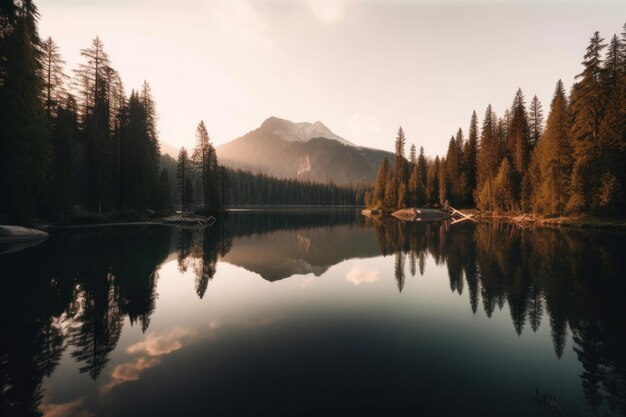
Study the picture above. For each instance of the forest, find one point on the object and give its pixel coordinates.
(71, 143)
(78, 148)
(574, 163)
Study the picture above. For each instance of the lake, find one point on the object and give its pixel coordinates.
(315, 312)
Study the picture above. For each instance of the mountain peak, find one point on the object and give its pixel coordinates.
(300, 132)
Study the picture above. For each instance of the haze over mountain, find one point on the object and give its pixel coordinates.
(308, 151)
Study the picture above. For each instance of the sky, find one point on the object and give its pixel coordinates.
(363, 68)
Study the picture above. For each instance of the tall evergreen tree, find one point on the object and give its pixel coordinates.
(205, 159)
(535, 121)
(400, 173)
(586, 106)
(471, 158)
(488, 149)
(25, 151)
(92, 87)
(518, 135)
(422, 165)
(53, 77)
(553, 158)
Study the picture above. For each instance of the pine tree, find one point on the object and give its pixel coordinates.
(488, 149)
(518, 135)
(471, 159)
(25, 151)
(455, 186)
(53, 77)
(535, 121)
(422, 165)
(586, 107)
(151, 148)
(400, 167)
(553, 157)
(205, 160)
(93, 89)
(611, 161)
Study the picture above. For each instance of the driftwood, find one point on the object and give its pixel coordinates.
(458, 216)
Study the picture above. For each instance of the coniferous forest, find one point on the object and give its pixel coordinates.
(575, 162)
(71, 142)
(77, 147)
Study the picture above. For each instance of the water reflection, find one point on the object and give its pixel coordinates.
(74, 292)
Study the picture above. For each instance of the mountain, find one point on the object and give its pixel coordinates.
(308, 151)
(283, 253)
(167, 149)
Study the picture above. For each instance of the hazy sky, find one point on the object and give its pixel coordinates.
(361, 67)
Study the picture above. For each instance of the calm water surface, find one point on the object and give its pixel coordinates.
(315, 313)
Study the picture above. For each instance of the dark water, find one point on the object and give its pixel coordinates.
(315, 313)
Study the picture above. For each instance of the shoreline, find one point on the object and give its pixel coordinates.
(581, 222)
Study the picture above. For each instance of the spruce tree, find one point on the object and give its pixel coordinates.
(518, 135)
(535, 121)
(553, 157)
(586, 107)
(53, 77)
(93, 87)
(422, 165)
(471, 159)
(400, 173)
(205, 160)
(25, 151)
(488, 150)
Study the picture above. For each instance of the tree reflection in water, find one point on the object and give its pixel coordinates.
(575, 277)
(82, 286)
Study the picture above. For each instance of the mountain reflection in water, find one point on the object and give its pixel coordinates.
(64, 306)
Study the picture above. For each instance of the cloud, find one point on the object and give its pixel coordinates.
(358, 275)
(156, 345)
(153, 348)
(361, 126)
(328, 11)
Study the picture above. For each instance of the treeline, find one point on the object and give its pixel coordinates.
(71, 141)
(246, 188)
(575, 163)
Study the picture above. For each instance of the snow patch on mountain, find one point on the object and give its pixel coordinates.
(301, 132)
